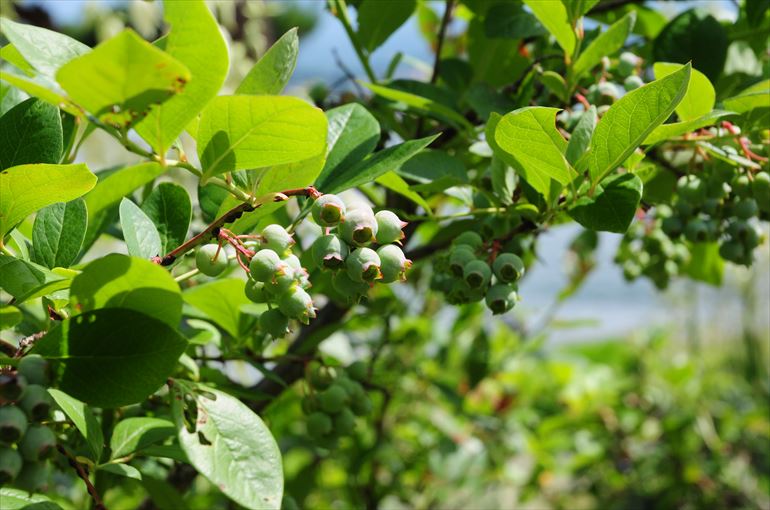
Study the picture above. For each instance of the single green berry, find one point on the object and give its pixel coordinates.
(344, 422)
(608, 90)
(256, 292)
(318, 425)
(363, 265)
(732, 251)
(329, 252)
(274, 323)
(394, 263)
(39, 443)
(508, 267)
(459, 257)
(469, 238)
(13, 424)
(631, 271)
(321, 376)
(34, 368)
(684, 208)
(477, 274)
(309, 404)
(389, 227)
(760, 188)
(663, 211)
(328, 210)
(673, 226)
(692, 189)
(632, 82)
(627, 63)
(361, 406)
(265, 265)
(347, 288)
(36, 402)
(211, 260)
(333, 399)
(34, 477)
(294, 263)
(501, 298)
(711, 207)
(753, 237)
(297, 304)
(741, 185)
(282, 281)
(274, 237)
(12, 386)
(10, 465)
(746, 208)
(358, 371)
(351, 387)
(359, 228)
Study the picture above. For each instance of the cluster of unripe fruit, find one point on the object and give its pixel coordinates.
(26, 443)
(335, 398)
(473, 271)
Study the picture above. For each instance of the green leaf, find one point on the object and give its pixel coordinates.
(58, 233)
(122, 78)
(395, 182)
(238, 132)
(15, 499)
(220, 301)
(38, 87)
(612, 206)
(163, 494)
(272, 72)
(554, 17)
(511, 21)
(118, 281)
(170, 209)
(693, 36)
(666, 131)
(134, 434)
(705, 263)
(31, 132)
(121, 470)
(503, 180)
(556, 84)
(494, 61)
(196, 42)
(83, 418)
(376, 25)
(109, 190)
(700, 96)
(374, 166)
(26, 280)
(10, 54)
(631, 119)
(10, 316)
(25, 189)
(577, 8)
(756, 96)
(580, 141)
(45, 50)
(233, 448)
(112, 357)
(434, 168)
(606, 44)
(139, 232)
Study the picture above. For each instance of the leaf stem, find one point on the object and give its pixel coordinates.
(341, 10)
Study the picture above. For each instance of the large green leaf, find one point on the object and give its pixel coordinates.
(666, 131)
(435, 170)
(31, 132)
(10, 316)
(238, 132)
(112, 357)
(631, 119)
(45, 50)
(705, 264)
(509, 20)
(118, 281)
(494, 62)
(607, 43)
(577, 8)
(196, 42)
(170, 209)
(26, 280)
(273, 70)
(612, 206)
(220, 301)
(395, 182)
(134, 434)
(700, 96)
(139, 232)
(422, 104)
(122, 78)
(25, 189)
(693, 36)
(16, 499)
(376, 24)
(83, 418)
(554, 16)
(109, 190)
(756, 96)
(58, 233)
(232, 447)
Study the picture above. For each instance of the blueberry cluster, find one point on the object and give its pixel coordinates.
(25, 443)
(646, 250)
(473, 271)
(344, 248)
(335, 397)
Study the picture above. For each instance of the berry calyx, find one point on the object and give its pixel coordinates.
(477, 274)
(364, 265)
(329, 252)
(508, 267)
(501, 298)
(459, 257)
(13, 424)
(328, 210)
(360, 227)
(10, 465)
(211, 260)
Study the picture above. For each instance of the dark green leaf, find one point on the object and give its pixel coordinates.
(510, 21)
(376, 24)
(170, 209)
(25, 280)
(31, 132)
(58, 233)
(139, 232)
(580, 141)
(273, 70)
(612, 206)
(83, 418)
(691, 36)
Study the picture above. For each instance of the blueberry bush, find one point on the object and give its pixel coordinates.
(252, 226)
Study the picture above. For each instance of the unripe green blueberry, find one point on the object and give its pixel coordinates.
(608, 89)
(741, 185)
(347, 288)
(309, 404)
(359, 228)
(318, 425)
(696, 231)
(363, 265)
(274, 323)
(282, 281)
(459, 293)
(738, 229)
(477, 274)
(469, 238)
(501, 298)
(351, 387)
(752, 238)
(760, 188)
(274, 237)
(361, 406)
(34, 477)
(508, 267)
(39, 443)
(627, 63)
(211, 260)
(459, 257)
(36, 402)
(328, 210)
(13, 424)
(265, 265)
(358, 371)
(10, 465)
(732, 251)
(684, 208)
(672, 226)
(320, 376)
(631, 271)
(746, 208)
(632, 82)
(711, 207)
(393, 263)
(12, 386)
(389, 227)
(297, 304)
(344, 422)
(256, 292)
(34, 368)
(329, 252)
(717, 189)
(692, 189)
(663, 211)
(333, 399)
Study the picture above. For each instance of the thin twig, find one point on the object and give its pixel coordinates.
(83, 475)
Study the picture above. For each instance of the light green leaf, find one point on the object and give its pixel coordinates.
(423, 104)
(238, 132)
(134, 434)
(556, 84)
(139, 232)
(220, 301)
(25, 189)
(503, 180)
(606, 44)
(31, 132)
(58, 233)
(15, 499)
(577, 8)
(376, 25)
(580, 141)
(272, 72)
(83, 418)
(26, 280)
(631, 119)
(112, 357)
(395, 182)
(705, 263)
(756, 96)
(10, 316)
(10, 54)
(44, 49)
(612, 206)
(40, 87)
(666, 131)
(196, 41)
(553, 15)
(121, 470)
(109, 190)
(233, 448)
(700, 96)
(170, 209)
(122, 78)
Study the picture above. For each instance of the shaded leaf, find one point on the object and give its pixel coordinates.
(58, 233)
(170, 209)
(612, 206)
(31, 132)
(83, 418)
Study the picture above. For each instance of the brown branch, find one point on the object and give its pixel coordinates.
(83, 475)
(441, 36)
